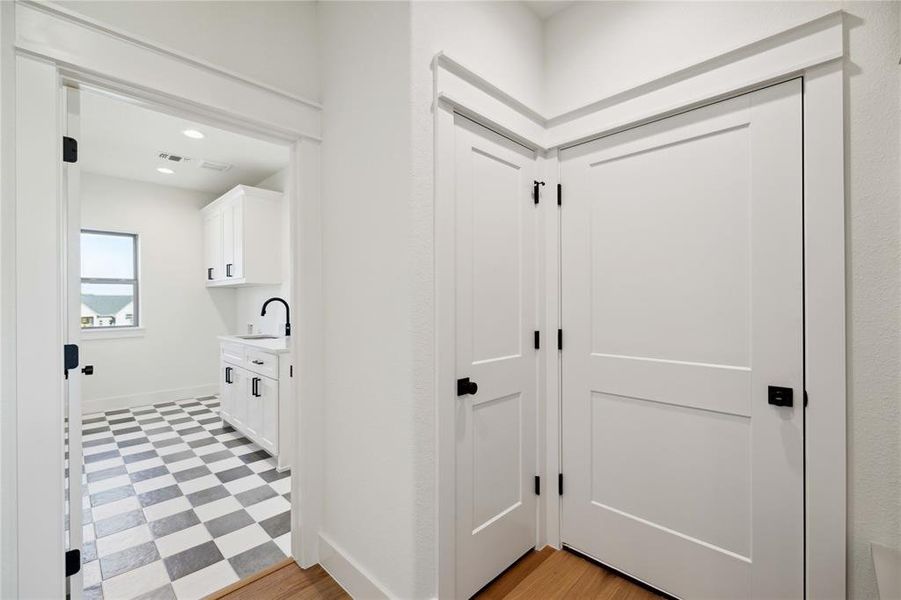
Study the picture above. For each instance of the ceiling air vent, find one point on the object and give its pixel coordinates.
(214, 166)
(173, 157)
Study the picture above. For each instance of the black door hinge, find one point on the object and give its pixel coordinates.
(535, 193)
(560, 484)
(805, 398)
(290, 370)
(559, 195)
(73, 562)
(70, 149)
(537, 485)
(537, 340)
(559, 339)
(70, 358)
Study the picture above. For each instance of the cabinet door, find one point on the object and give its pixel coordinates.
(268, 390)
(212, 240)
(233, 238)
(238, 396)
(254, 422)
(226, 390)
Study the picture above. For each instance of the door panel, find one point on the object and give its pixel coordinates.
(682, 302)
(496, 314)
(268, 389)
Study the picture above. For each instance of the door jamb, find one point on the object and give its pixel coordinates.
(81, 71)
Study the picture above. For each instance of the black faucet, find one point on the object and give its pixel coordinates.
(287, 312)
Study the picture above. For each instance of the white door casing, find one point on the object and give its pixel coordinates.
(496, 454)
(681, 303)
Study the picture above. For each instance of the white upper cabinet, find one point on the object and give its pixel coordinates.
(242, 232)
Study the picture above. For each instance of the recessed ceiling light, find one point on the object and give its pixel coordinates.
(165, 170)
(193, 134)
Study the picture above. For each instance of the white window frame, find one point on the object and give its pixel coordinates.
(137, 319)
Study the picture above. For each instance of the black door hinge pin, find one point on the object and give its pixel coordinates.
(535, 193)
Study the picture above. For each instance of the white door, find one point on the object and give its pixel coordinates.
(496, 318)
(682, 303)
(72, 319)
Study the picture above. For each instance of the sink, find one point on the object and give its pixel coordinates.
(259, 336)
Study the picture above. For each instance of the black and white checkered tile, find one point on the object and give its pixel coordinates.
(181, 504)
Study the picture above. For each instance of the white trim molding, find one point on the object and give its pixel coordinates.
(774, 58)
(813, 51)
(96, 405)
(99, 55)
(348, 572)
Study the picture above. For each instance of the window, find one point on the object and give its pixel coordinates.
(109, 279)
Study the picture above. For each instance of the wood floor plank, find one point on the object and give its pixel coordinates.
(552, 579)
(509, 579)
(291, 582)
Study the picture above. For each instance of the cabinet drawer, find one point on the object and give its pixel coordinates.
(233, 353)
(261, 362)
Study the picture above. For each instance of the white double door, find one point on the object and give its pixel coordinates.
(496, 276)
(682, 305)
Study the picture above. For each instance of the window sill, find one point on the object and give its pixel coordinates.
(112, 333)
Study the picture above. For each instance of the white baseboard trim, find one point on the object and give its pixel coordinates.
(348, 573)
(95, 405)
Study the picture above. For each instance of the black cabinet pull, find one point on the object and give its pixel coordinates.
(228, 270)
(209, 273)
(465, 386)
(88, 370)
(255, 387)
(228, 373)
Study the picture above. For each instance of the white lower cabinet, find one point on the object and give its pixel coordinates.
(249, 397)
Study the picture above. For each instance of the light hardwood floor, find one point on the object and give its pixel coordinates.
(539, 575)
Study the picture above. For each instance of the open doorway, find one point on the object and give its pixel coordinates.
(183, 233)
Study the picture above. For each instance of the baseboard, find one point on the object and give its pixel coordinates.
(96, 405)
(348, 573)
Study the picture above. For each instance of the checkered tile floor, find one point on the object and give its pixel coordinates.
(180, 504)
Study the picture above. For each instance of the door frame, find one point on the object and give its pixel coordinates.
(48, 47)
(814, 51)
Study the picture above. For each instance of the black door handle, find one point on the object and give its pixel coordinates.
(465, 386)
(88, 370)
(780, 396)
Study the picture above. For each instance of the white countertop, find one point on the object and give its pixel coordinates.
(278, 345)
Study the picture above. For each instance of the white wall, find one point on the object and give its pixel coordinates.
(594, 49)
(181, 317)
(271, 42)
(371, 495)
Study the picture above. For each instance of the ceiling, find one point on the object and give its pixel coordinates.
(121, 139)
(545, 9)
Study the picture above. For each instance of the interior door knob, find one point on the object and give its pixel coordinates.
(465, 386)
